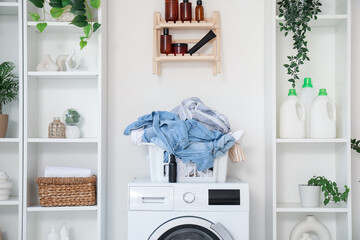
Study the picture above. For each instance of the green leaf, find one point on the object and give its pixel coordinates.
(56, 12)
(82, 38)
(87, 30)
(82, 44)
(56, 3)
(35, 17)
(41, 26)
(65, 2)
(96, 26)
(95, 3)
(38, 3)
(80, 21)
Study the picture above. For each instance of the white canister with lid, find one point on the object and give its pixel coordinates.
(292, 117)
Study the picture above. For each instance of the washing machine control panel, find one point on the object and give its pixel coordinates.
(189, 197)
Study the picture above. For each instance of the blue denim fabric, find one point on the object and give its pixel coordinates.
(188, 140)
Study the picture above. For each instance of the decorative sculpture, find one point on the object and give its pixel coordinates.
(303, 229)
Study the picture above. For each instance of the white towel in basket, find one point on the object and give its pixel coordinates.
(67, 172)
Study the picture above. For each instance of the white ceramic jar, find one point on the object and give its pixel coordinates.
(5, 186)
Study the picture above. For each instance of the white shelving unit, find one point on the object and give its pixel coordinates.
(293, 161)
(48, 95)
(11, 147)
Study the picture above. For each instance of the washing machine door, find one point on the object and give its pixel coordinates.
(190, 228)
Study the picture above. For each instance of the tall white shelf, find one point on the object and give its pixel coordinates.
(294, 161)
(49, 94)
(11, 154)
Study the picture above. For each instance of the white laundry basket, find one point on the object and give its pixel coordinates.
(159, 173)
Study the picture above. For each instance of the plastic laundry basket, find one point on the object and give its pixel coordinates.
(159, 169)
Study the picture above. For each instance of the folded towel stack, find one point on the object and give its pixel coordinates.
(67, 172)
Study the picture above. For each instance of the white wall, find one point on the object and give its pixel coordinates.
(238, 93)
(134, 91)
(356, 116)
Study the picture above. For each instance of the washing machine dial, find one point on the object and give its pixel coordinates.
(189, 197)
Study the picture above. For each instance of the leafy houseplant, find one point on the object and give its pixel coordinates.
(330, 189)
(72, 119)
(81, 10)
(9, 87)
(355, 145)
(297, 15)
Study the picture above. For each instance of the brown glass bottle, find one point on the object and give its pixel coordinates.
(171, 10)
(166, 42)
(199, 11)
(185, 11)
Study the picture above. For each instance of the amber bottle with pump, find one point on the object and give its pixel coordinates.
(166, 42)
(171, 10)
(185, 11)
(199, 11)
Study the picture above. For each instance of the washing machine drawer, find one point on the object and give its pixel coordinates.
(154, 198)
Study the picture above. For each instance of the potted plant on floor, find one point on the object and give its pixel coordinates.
(9, 87)
(310, 193)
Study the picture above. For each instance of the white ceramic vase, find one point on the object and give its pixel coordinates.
(5, 186)
(47, 65)
(72, 132)
(310, 225)
(309, 196)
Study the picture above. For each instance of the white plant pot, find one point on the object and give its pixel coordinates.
(5, 186)
(309, 196)
(72, 132)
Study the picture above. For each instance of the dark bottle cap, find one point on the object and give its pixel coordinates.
(186, 1)
(166, 31)
(172, 158)
(199, 2)
(180, 44)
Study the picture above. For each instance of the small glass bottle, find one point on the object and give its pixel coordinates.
(185, 11)
(199, 11)
(166, 42)
(171, 10)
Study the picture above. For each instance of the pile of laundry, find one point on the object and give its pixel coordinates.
(193, 132)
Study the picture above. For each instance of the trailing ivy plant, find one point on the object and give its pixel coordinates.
(80, 8)
(297, 15)
(9, 84)
(355, 145)
(330, 189)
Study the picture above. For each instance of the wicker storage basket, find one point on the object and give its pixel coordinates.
(65, 192)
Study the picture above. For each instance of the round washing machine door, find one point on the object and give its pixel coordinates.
(190, 228)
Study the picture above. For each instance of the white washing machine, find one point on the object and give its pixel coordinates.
(188, 211)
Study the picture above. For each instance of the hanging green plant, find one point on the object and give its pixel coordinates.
(297, 15)
(355, 145)
(80, 8)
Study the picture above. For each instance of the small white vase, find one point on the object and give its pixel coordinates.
(47, 65)
(5, 186)
(310, 225)
(72, 132)
(309, 196)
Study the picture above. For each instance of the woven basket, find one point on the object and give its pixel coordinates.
(65, 192)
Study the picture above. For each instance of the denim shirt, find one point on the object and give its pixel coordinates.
(188, 140)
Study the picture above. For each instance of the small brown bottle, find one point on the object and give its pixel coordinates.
(185, 11)
(166, 42)
(199, 11)
(171, 10)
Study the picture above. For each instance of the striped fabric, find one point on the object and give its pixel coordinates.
(236, 154)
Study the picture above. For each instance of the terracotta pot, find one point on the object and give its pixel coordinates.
(4, 119)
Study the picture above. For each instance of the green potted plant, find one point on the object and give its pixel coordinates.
(82, 10)
(310, 192)
(9, 87)
(355, 145)
(297, 14)
(72, 119)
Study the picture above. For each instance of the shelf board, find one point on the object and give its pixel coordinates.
(9, 8)
(12, 201)
(9, 140)
(322, 21)
(186, 58)
(63, 75)
(63, 140)
(295, 207)
(38, 208)
(310, 140)
(207, 24)
(56, 27)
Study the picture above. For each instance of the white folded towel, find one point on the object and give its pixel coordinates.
(67, 172)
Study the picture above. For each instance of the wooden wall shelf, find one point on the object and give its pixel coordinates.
(209, 24)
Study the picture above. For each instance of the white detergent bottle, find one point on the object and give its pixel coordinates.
(292, 117)
(53, 235)
(323, 117)
(307, 96)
